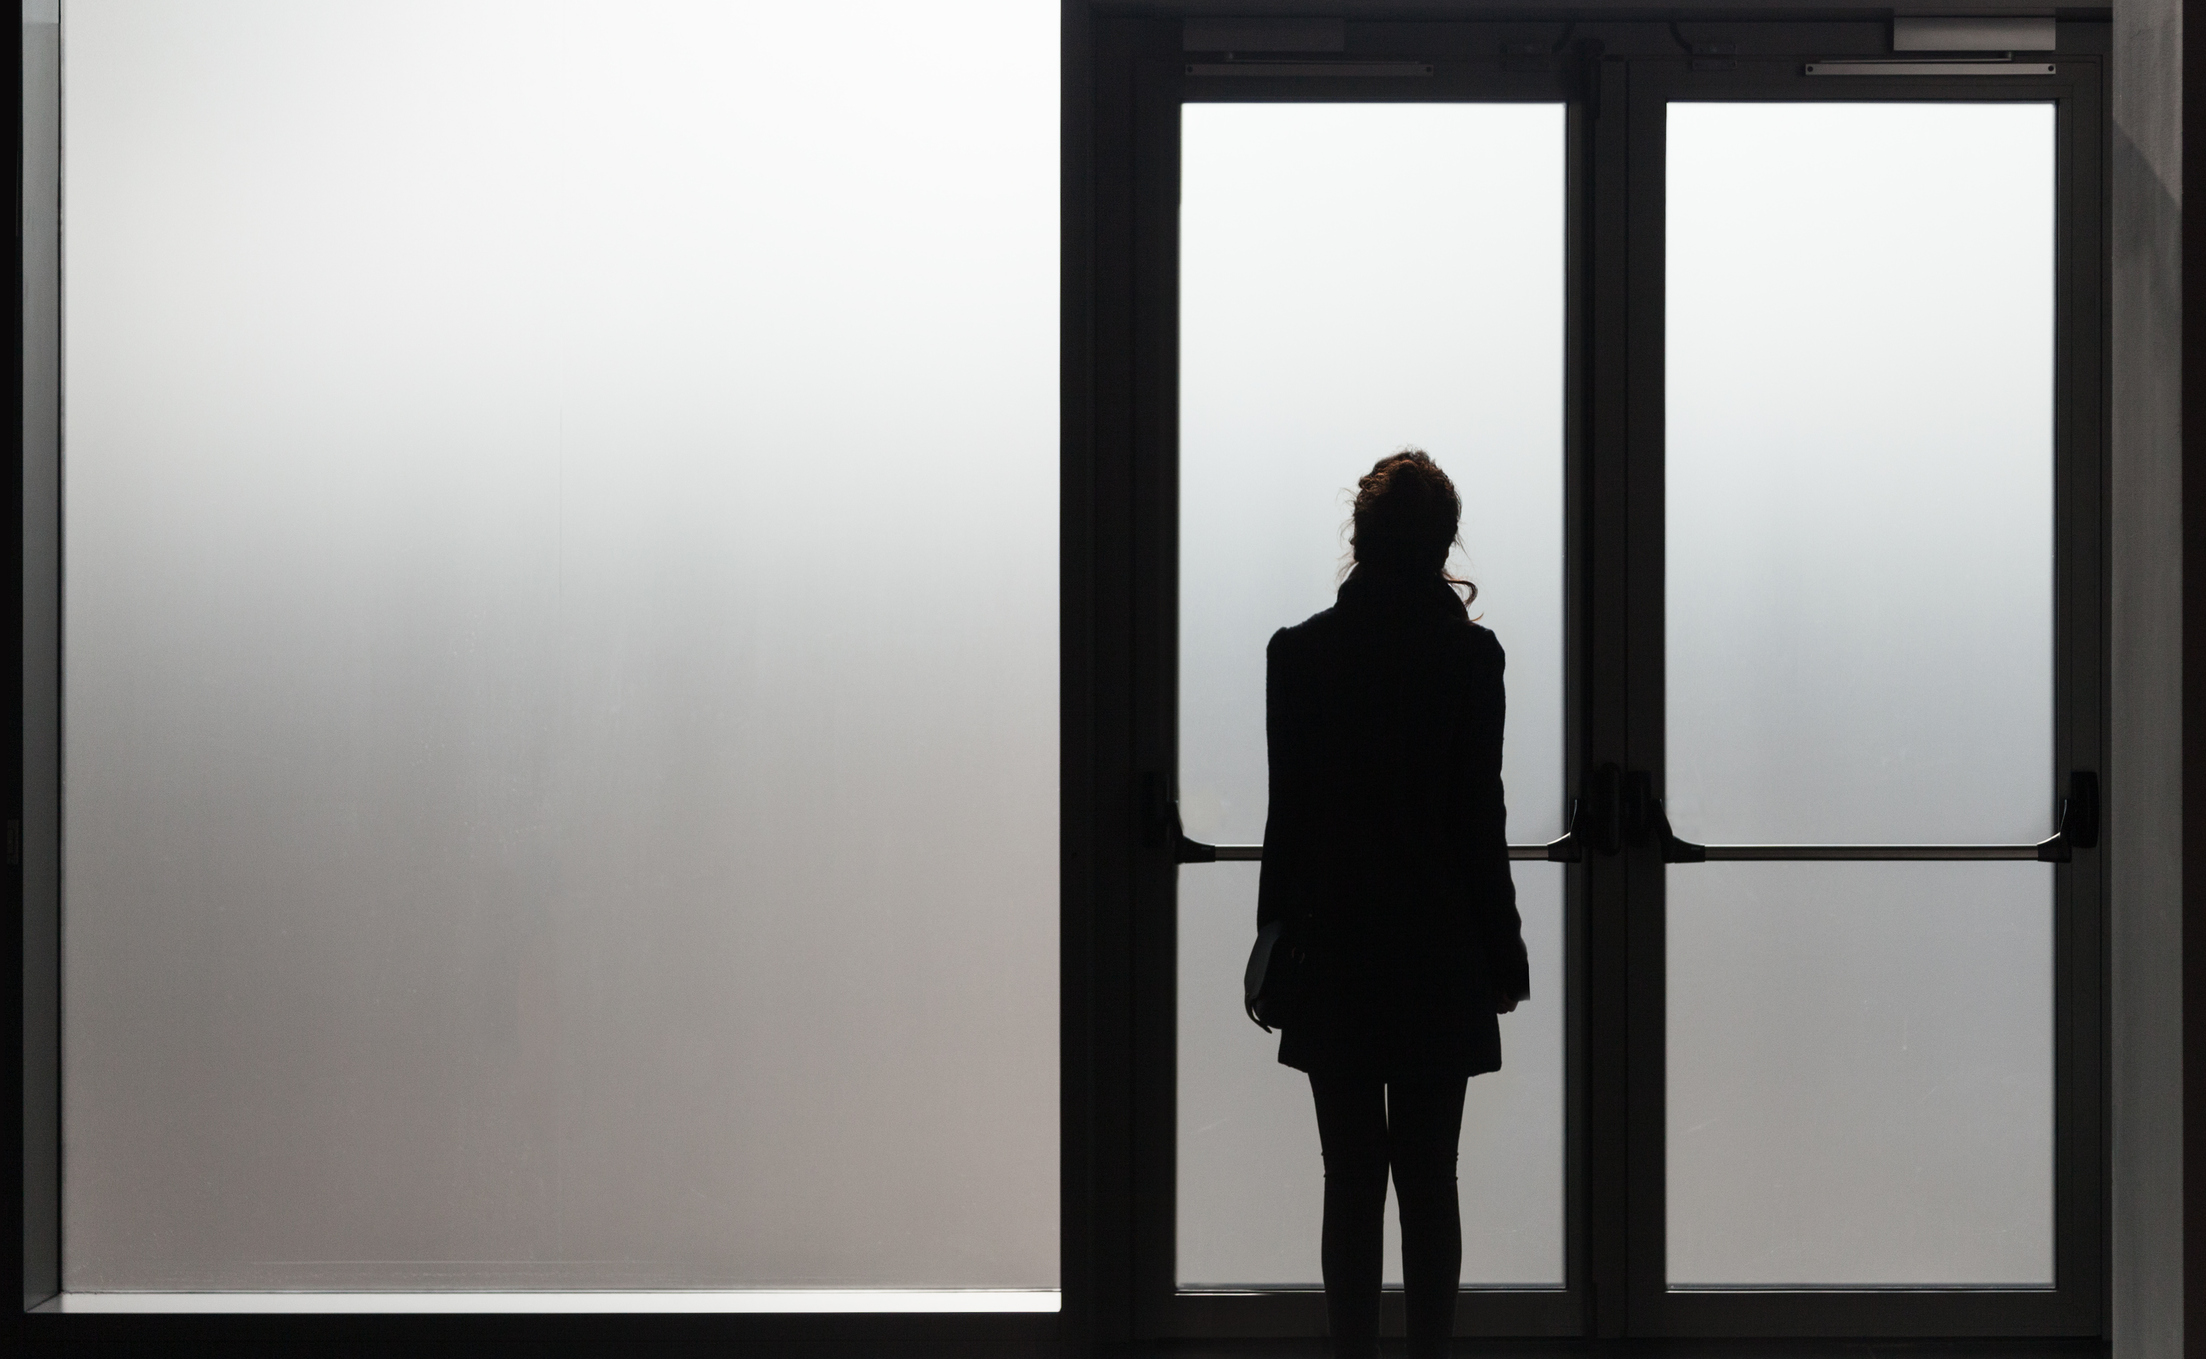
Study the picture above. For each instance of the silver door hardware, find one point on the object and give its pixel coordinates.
(1992, 66)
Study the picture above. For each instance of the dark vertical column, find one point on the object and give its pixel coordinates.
(31, 857)
(1644, 714)
(2081, 695)
(2145, 827)
(1098, 686)
(1644, 720)
(1151, 658)
(1605, 722)
(1083, 1181)
(2192, 94)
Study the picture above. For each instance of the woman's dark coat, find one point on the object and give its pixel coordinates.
(1387, 829)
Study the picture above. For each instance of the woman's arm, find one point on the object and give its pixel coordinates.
(1501, 928)
(1284, 884)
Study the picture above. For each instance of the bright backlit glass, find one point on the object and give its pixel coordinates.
(561, 622)
(1859, 647)
(1353, 278)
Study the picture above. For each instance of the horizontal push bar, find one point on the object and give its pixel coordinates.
(1732, 853)
(1626, 814)
(1864, 853)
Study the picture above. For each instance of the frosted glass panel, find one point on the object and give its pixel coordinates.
(1353, 278)
(561, 623)
(1860, 1073)
(1860, 475)
(1859, 649)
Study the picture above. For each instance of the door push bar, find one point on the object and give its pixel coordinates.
(1161, 826)
(1619, 810)
(1645, 822)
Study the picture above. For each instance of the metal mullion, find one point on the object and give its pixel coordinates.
(1099, 957)
(1605, 966)
(1646, 1190)
(1153, 456)
(2079, 694)
(1582, 172)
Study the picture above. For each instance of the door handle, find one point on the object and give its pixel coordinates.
(1596, 818)
(2077, 827)
(1161, 824)
(1647, 822)
(1568, 848)
(1593, 820)
(2078, 824)
(1160, 809)
(1161, 827)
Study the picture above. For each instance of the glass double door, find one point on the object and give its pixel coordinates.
(1772, 413)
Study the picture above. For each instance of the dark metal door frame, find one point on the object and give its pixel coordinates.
(2073, 1305)
(1164, 77)
(1615, 79)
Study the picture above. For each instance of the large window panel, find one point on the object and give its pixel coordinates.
(1860, 640)
(1860, 1075)
(1860, 472)
(1355, 278)
(560, 743)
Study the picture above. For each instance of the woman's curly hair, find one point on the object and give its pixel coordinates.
(1407, 516)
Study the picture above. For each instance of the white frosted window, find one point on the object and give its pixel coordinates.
(1860, 1074)
(1860, 472)
(561, 632)
(1859, 643)
(1354, 278)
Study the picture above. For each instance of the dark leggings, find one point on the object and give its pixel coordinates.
(1366, 1125)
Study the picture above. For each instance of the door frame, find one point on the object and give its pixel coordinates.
(1122, 544)
(1161, 84)
(2073, 1305)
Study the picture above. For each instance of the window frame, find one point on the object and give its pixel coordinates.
(1103, 867)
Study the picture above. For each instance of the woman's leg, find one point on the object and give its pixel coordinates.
(1424, 1124)
(1351, 1129)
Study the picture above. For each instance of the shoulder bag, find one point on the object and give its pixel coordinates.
(1278, 975)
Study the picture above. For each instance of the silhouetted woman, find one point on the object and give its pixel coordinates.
(1386, 836)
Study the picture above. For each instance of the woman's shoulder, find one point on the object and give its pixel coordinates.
(1483, 643)
(1311, 631)
(1475, 649)
(1467, 639)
